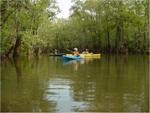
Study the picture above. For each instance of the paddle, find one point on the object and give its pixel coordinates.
(69, 50)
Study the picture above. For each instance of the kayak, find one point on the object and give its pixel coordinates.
(71, 57)
(89, 55)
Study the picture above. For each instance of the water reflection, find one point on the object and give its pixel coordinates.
(77, 63)
(60, 92)
(17, 65)
(113, 83)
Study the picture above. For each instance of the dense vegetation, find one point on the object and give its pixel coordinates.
(118, 26)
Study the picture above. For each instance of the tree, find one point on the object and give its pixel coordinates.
(20, 22)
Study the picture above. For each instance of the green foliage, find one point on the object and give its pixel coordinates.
(99, 25)
(23, 19)
(105, 25)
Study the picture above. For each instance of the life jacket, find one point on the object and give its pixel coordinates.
(76, 53)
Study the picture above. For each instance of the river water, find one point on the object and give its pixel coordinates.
(111, 83)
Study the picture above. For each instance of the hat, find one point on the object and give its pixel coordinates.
(75, 49)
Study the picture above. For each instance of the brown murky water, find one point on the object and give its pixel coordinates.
(112, 83)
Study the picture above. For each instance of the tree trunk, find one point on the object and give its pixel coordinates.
(9, 51)
(36, 51)
(18, 35)
(17, 47)
(99, 42)
(118, 37)
(108, 41)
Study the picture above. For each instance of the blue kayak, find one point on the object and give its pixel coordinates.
(71, 57)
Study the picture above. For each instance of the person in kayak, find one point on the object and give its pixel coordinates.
(85, 52)
(76, 52)
(55, 51)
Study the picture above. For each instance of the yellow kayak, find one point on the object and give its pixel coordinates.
(89, 55)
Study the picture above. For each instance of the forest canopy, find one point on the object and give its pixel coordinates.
(110, 26)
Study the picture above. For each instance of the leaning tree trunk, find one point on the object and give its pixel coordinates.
(9, 51)
(17, 47)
